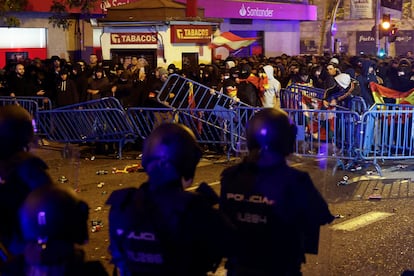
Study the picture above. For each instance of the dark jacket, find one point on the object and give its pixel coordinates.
(277, 212)
(188, 234)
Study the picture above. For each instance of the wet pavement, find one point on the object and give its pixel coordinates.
(372, 235)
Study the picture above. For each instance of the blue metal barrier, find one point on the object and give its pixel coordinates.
(387, 133)
(321, 133)
(292, 98)
(43, 103)
(30, 104)
(211, 127)
(107, 102)
(87, 125)
(180, 92)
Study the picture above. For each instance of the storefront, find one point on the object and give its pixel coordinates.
(126, 27)
(163, 34)
(181, 43)
(276, 25)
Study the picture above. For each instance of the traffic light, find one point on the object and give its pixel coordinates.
(392, 34)
(386, 22)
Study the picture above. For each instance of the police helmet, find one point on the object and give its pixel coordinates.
(271, 129)
(171, 149)
(16, 129)
(54, 213)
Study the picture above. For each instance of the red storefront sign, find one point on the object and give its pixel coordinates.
(133, 38)
(191, 33)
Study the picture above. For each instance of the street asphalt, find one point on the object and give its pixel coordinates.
(372, 235)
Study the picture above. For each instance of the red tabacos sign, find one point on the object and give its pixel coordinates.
(133, 38)
(191, 33)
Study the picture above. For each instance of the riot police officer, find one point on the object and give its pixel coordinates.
(276, 208)
(159, 228)
(54, 221)
(20, 172)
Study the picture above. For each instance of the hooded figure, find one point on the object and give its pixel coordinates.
(340, 93)
(367, 75)
(271, 95)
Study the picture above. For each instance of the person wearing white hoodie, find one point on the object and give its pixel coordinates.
(271, 97)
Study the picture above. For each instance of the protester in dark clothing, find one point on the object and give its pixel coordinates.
(340, 93)
(328, 79)
(276, 208)
(80, 76)
(184, 234)
(367, 74)
(67, 93)
(247, 91)
(139, 90)
(18, 83)
(20, 172)
(98, 86)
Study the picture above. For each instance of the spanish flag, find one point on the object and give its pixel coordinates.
(380, 91)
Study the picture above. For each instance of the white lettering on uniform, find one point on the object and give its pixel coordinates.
(142, 236)
(253, 198)
(142, 257)
(251, 218)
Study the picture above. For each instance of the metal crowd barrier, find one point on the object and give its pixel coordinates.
(292, 98)
(107, 102)
(211, 127)
(87, 125)
(387, 133)
(321, 133)
(180, 92)
(32, 105)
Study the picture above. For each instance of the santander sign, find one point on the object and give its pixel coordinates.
(255, 12)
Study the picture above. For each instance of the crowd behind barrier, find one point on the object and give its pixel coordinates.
(383, 132)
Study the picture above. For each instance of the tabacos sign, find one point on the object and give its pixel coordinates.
(191, 33)
(248, 11)
(133, 38)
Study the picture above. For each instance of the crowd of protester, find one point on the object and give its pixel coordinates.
(255, 80)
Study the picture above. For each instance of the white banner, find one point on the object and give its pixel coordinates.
(362, 9)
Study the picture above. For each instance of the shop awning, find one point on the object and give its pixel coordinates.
(231, 41)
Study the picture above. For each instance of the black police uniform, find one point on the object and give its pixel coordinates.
(188, 238)
(19, 174)
(277, 212)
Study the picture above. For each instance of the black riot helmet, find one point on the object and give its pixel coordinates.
(271, 129)
(54, 213)
(170, 153)
(16, 129)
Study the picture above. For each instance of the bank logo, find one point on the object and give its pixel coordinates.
(242, 11)
(255, 12)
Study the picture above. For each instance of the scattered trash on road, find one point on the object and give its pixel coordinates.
(128, 169)
(344, 181)
(97, 225)
(100, 185)
(101, 172)
(63, 179)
